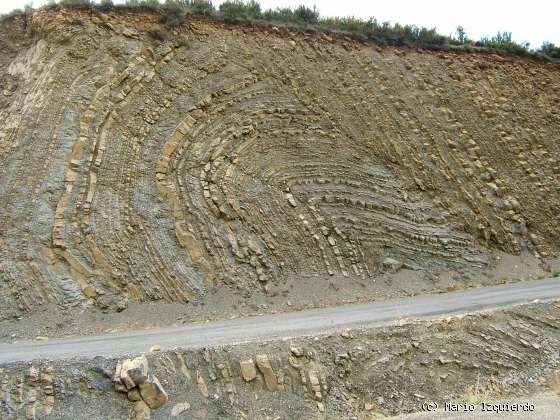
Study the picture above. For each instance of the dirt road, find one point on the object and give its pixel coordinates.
(316, 321)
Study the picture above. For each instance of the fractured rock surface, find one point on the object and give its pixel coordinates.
(133, 378)
(143, 168)
(381, 371)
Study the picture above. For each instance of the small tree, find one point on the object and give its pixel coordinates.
(307, 15)
(106, 5)
(202, 7)
(461, 35)
(548, 48)
(237, 9)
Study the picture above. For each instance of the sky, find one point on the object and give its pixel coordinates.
(534, 22)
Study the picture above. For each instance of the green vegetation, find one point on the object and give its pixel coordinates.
(174, 13)
(503, 42)
(551, 50)
(476, 394)
(173, 16)
(203, 7)
(75, 3)
(239, 10)
(386, 33)
(106, 5)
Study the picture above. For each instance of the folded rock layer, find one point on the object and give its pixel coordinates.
(146, 163)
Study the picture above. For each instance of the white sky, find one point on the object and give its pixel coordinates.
(535, 21)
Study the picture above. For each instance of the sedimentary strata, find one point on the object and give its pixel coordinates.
(149, 164)
(347, 375)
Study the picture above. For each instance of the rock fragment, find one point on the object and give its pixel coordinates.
(180, 409)
(134, 372)
(134, 395)
(248, 370)
(265, 367)
(141, 411)
(291, 200)
(201, 385)
(153, 393)
(133, 378)
(391, 265)
(297, 351)
(48, 389)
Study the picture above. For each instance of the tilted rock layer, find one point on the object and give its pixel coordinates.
(139, 162)
(348, 375)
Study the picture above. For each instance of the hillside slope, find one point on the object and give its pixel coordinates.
(140, 163)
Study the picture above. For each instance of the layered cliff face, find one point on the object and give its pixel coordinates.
(148, 164)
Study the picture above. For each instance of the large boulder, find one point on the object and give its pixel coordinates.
(152, 392)
(141, 411)
(263, 362)
(133, 378)
(248, 370)
(134, 372)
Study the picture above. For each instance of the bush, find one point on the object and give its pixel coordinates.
(279, 15)
(201, 7)
(106, 5)
(75, 3)
(239, 10)
(150, 4)
(14, 13)
(307, 15)
(503, 42)
(549, 49)
(173, 16)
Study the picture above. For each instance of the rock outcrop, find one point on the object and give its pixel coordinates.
(369, 373)
(133, 378)
(141, 167)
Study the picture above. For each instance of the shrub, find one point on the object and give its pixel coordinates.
(239, 10)
(12, 14)
(307, 15)
(174, 15)
(551, 50)
(280, 15)
(75, 3)
(503, 42)
(201, 7)
(150, 4)
(106, 5)
(301, 14)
